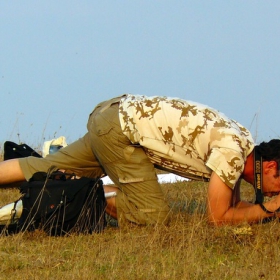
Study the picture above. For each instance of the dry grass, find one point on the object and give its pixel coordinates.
(187, 249)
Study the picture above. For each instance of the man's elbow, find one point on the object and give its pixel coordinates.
(215, 220)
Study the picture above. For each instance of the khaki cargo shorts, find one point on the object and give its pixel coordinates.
(106, 150)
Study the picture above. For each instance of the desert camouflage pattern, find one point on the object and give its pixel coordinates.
(186, 138)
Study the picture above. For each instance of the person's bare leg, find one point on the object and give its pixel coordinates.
(111, 202)
(10, 172)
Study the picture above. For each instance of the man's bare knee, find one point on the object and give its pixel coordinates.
(10, 172)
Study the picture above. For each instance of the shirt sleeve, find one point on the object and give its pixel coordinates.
(227, 163)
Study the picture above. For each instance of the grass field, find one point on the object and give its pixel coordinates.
(189, 248)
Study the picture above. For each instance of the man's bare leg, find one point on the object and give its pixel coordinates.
(10, 172)
(111, 202)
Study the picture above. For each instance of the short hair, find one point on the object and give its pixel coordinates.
(269, 150)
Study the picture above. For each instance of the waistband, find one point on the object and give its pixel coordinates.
(108, 103)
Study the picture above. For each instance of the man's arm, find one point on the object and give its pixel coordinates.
(236, 193)
(225, 207)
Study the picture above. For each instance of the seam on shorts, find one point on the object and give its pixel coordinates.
(147, 210)
(131, 180)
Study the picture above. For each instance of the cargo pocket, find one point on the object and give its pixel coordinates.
(136, 167)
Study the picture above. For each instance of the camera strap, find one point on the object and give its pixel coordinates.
(258, 177)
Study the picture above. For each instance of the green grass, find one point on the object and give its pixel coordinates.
(189, 248)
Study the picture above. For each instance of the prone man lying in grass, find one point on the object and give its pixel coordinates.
(129, 136)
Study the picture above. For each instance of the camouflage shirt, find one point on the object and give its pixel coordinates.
(185, 137)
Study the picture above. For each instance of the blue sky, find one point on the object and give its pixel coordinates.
(58, 59)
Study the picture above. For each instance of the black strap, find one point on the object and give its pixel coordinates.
(266, 210)
(14, 211)
(258, 177)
